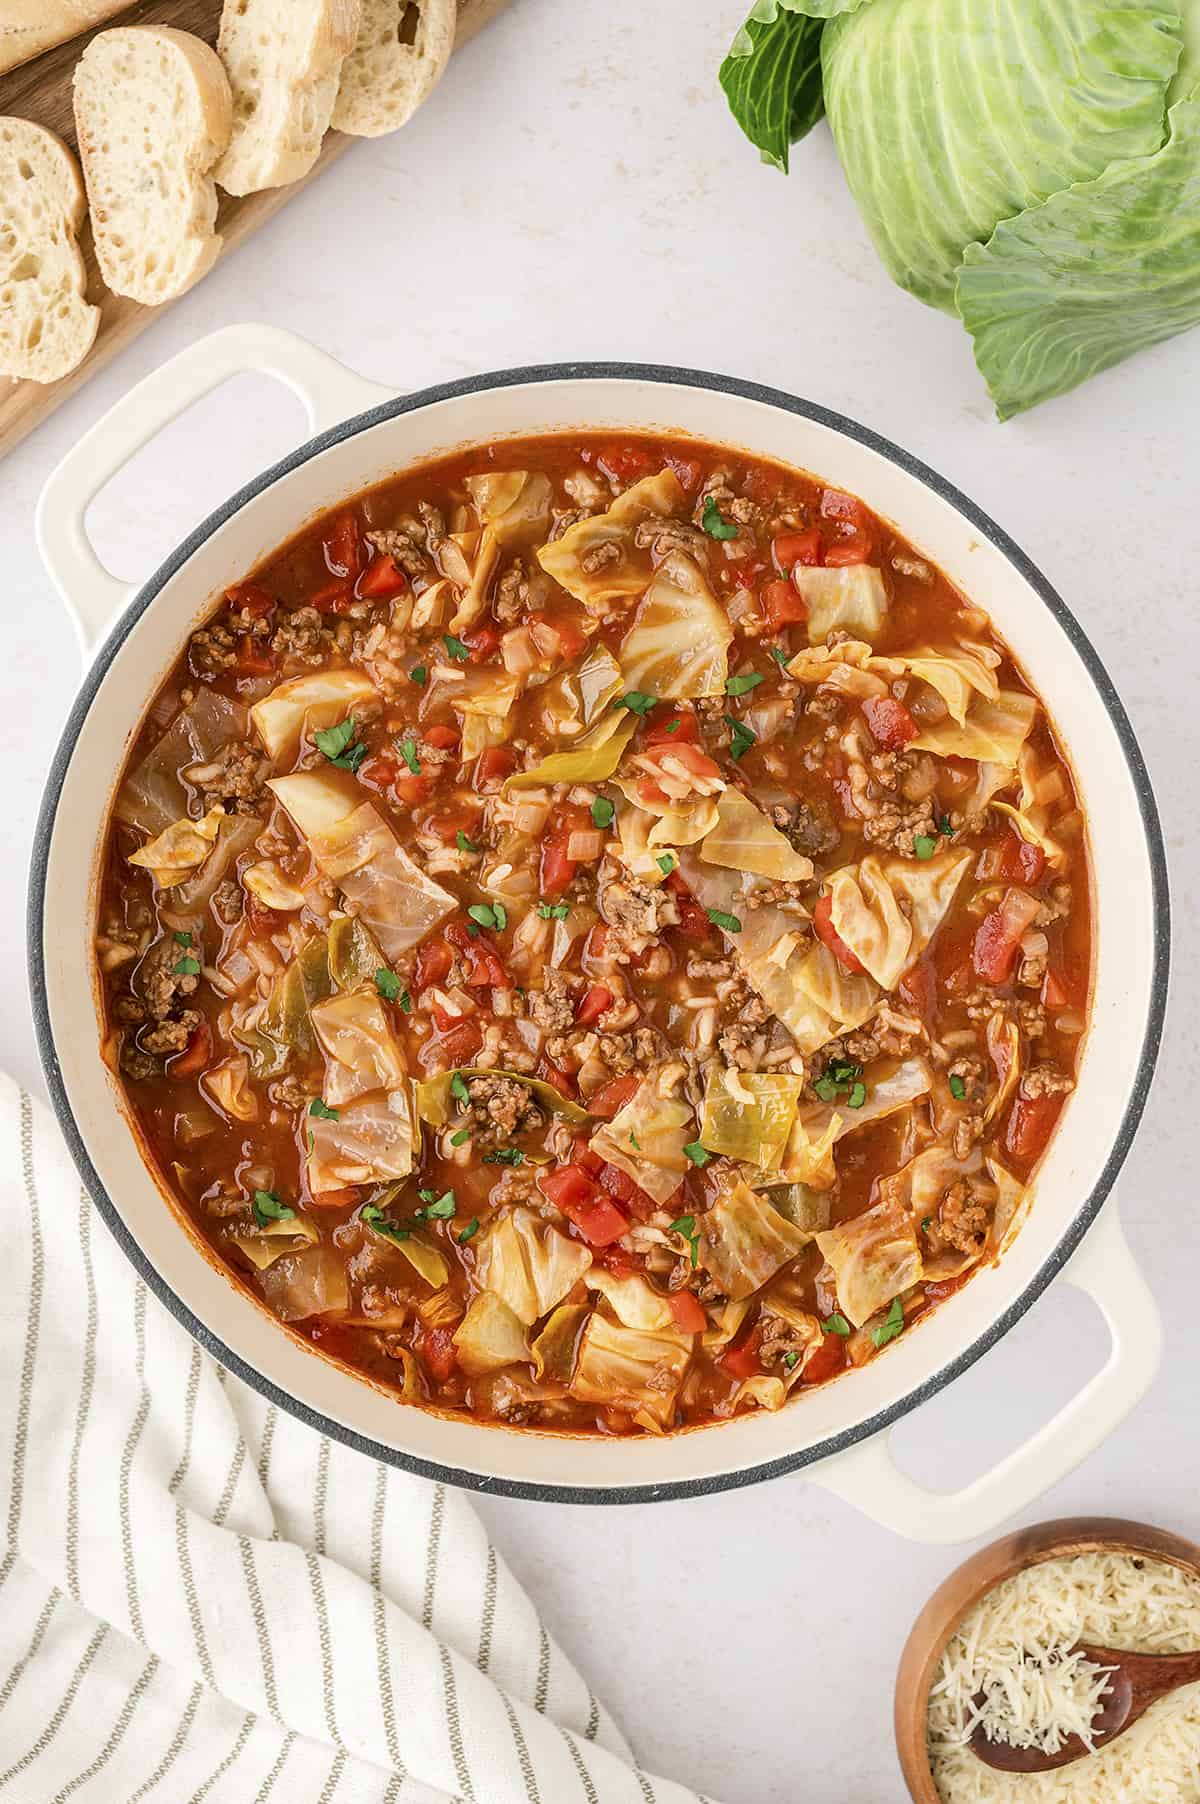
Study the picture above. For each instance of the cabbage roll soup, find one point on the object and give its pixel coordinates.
(595, 934)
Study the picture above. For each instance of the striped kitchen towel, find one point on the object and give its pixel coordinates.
(200, 1598)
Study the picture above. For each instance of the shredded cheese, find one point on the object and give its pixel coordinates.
(1014, 1649)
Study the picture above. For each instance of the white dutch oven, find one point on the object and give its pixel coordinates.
(839, 1433)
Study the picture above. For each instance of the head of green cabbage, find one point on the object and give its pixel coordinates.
(1032, 166)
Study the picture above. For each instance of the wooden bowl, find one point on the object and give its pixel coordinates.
(979, 1575)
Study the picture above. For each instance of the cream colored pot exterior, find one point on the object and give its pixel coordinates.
(840, 1431)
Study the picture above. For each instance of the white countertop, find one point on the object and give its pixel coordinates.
(576, 189)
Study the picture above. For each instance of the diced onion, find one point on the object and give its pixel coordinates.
(585, 845)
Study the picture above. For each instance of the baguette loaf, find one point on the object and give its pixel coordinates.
(153, 114)
(27, 27)
(46, 326)
(283, 59)
(389, 73)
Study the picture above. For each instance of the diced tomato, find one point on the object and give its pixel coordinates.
(344, 1197)
(854, 543)
(854, 547)
(632, 1198)
(380, 771)
(494, 764)
(836, 504)
(483, 644)
(694, 923)
(577, 1195)
(1030, 1126)
(791, 548)
(480, 955)
(918, 986)
(461, 1042)
(998, 936)
(437, 1352)
(612, 1096)
(741, 1361)
(552, 1074)
(783, 603)
(260, 919)
(686, 758)
(689, 471)
(627, 463)
(596, 942)
(195, 1055)
(254, 658)
(1054, 990)
(557, 870)
(571, 639)
(741, 572)
(334, 598)
(251, 599)
(443, 1020)
(596, 1002)
(826, 932)
(586, 1159)
(414, 790)
(688, 1311)
(616, 1260)
(443, 737)
(447, 827)
(434, 961)
(670, 726)
(1014, 860)
(827, 1360)
(381, 579)
(343, 546)
(891, 724)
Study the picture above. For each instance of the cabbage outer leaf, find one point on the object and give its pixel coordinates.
(744, 1241)
(554, 1349)
(153, 794)
(435, 1103)
(659, 495)
(265, 1245)
(875, 1257)
(489, 1336)
(749, 1115)
(772, 78)
(592, 759)
(634, 1302)
(743, 839)
(309, 1282)
(515, 504)
(1041, 788)
(1097, 272)
(528, 1264)
(626, 1368)
(678, 644)
(646, 1139)
(179, 849)
(951, 115)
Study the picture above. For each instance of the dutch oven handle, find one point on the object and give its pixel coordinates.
(867, 1476)
(328, 391)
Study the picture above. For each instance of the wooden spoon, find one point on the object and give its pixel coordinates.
(1138, 1681)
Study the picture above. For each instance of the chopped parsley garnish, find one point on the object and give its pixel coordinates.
(459, 1139)
(602, 812)
(182, 937)
(456, 648)
(438, 1208)
(635, 1142)
(505, 1155)
(727, 923)
(686, 1225)
(418, 673)
(340, 746)
(187, 967)
(673, 726)
(958, 1088)
(779, 655)
(714, 523)
(740, 736)
(318, 1108)
(789, 1359)
(841, 1078)
(388, 984)
(463, 843)
(699, 1155)
(406, 1002)
(926, 1224)
(665, 862)
(637, 701)
(458, 1088)
(945, 826)
(408, 751)
(738, 685)
(836, 1324)
(553, 911)
(924, 846)
(383, 1224)
(486, 914)
(891, 1326)
(267, 1207)
(469, 1232)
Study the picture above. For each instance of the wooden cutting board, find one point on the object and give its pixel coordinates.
(41, 91)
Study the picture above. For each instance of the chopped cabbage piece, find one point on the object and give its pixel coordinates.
(371, 1141)
(1012, 1206)
(235, 835)
(887, 910)
(1041, 788)
(427, 1260)
(625, 575)
(744, 1241)
(354, 957)
(515, 504)
(307, 703)
(1004, 1049)
(808, 1156)
(993, 731)
(310, 1282)
(808, 1209)
(634, 1302)
(179, 849)
(626, 1368)
(847, 667)
(282, 1026)
(678, 644)
(743, 839)
(555, 1347)
(636, 847)
(316, 799)
(580, 695)
(749, 1115)
(875, 1257)
(672, 823)
(646, 1139)
(851, 596)
(592, 759)
(265, 1245)
(529, 1264)
(361, 1052)
(479, 689)
(958, 672)
(435, 1099)
(268, 885)
(153, 794)
(228, 1084)
(489, 1336)
(474, 556)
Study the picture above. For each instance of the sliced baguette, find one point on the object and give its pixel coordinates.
(390, 70)
(27, 27)
(46, 326)
(283, 59)
(153, 114)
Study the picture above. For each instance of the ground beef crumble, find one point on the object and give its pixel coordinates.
(500, 1108)
(301, 637)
